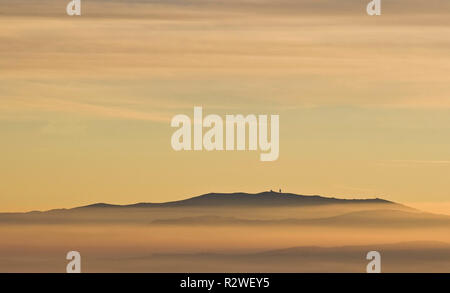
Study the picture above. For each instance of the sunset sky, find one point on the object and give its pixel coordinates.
(86, 102)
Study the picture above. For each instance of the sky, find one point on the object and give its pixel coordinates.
(86, 102)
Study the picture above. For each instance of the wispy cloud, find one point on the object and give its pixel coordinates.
(98, 111)
(415, 162)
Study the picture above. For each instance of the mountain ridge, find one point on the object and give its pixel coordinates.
(266, 198)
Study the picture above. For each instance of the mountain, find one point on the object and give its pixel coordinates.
(268, 198)
(265, 208)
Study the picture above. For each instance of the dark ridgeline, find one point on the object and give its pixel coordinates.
(267, 198)
(205, 210)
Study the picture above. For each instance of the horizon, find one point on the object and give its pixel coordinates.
(107, 204)
(435, 208)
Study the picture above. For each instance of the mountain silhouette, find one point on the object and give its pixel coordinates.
(233, 209)
(268, 198)
(243, 214)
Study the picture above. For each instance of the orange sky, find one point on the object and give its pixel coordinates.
(85, 103)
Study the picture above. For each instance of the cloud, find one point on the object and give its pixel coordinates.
(200, 52)
(98, 111)
(416, 162)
